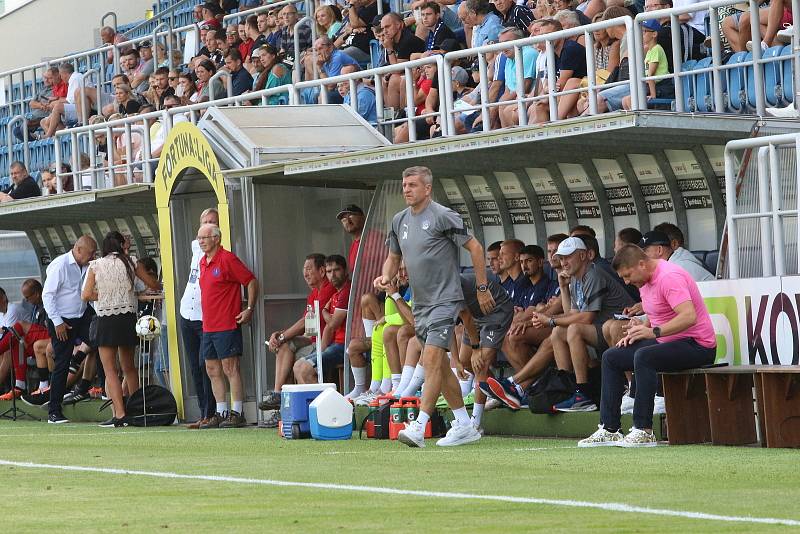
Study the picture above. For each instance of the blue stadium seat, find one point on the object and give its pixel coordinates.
(788, 75)
(704, 94)
(374, 52)
(737, 83)
(773, 79)
(688, 85)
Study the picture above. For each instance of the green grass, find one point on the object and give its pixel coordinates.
(718, 480)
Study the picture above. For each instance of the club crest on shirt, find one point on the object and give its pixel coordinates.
(215, 271)
(426, 225)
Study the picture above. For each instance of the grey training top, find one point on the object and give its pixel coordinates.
(598, 292)
(469, 287)
(429, 243)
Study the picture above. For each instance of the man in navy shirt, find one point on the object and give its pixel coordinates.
(510, 272)
(241, 79)
(440, 38)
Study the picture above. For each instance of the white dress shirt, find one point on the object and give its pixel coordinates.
(190, 302)
(61, 292)
(16, 312)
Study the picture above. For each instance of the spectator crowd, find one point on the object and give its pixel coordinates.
(259, 52)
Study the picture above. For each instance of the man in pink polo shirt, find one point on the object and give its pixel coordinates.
(677, 334)
(221, 276)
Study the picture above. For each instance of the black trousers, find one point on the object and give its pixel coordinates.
(78, 329)
(646, 359)
(192, 334)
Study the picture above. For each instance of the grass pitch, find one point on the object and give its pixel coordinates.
(712, 480)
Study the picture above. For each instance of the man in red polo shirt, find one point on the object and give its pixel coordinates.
(335, 316)
(221, 275)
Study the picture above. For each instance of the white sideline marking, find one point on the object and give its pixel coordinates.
(109, 432)
(610, 506)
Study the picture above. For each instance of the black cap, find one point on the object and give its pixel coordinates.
(350, 209)
(376, 20)
(145, 44)
(655, 238)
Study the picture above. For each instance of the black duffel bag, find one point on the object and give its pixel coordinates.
(552, 387)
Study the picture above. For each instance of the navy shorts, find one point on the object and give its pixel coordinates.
(221, 345)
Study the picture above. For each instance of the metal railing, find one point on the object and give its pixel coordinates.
(138, 164)
(10, 139)
(717, 69)
(159, 17)
(762, 207)
(523, 100)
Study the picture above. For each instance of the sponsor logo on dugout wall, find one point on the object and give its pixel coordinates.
(756, 319)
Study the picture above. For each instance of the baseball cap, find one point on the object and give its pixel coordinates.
(350, 209)
(145, 44)
(459, 75)
(652, 25)
(570, 245)
(655, 238)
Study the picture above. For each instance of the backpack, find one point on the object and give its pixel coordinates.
(552, 387)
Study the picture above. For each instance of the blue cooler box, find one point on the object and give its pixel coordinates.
(295, 399)
(331, 416)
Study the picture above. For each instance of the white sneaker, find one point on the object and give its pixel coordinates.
(785, 35)
(353, 395)
(601, 438)
(476, 426)
(412, 435)
(365, 398)
(749, 46)
(492, 404)
(658, 405)
(627, 404)
(459, 435)
(638, 438)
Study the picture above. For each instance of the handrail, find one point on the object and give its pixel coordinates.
(124, 125)
(111, 14)
(168, 43)
(221, 73)
(522, 100)
(10, 139)
(296, 41)
(243, 15)
(159, 15)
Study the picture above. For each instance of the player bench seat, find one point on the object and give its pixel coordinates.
(716, 404)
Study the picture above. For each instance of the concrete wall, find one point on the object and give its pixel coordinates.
(44, 29)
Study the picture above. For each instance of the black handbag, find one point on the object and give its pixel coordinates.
(552, 387)
(93, 326)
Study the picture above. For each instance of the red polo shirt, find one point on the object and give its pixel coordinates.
(221, 279)
(323, 295)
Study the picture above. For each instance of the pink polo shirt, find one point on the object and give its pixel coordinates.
(670, 286)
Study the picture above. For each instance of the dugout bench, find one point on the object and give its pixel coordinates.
(729, 405)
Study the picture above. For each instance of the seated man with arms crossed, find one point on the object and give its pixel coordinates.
(677, 334)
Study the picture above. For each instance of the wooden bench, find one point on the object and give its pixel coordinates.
(716, 404)
(779, 405)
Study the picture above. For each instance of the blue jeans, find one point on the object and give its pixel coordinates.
(333, 355)
(646, 358)
(192, 334)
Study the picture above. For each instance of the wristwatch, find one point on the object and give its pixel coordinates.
(483, 288)
(281, 337)
(476, 346)
(657, 331)
(552, 322)
(249, 308)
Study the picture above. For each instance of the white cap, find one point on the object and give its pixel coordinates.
(570, 245)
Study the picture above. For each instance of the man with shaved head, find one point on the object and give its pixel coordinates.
(221, 276)
(68, 315)
(112, 37)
